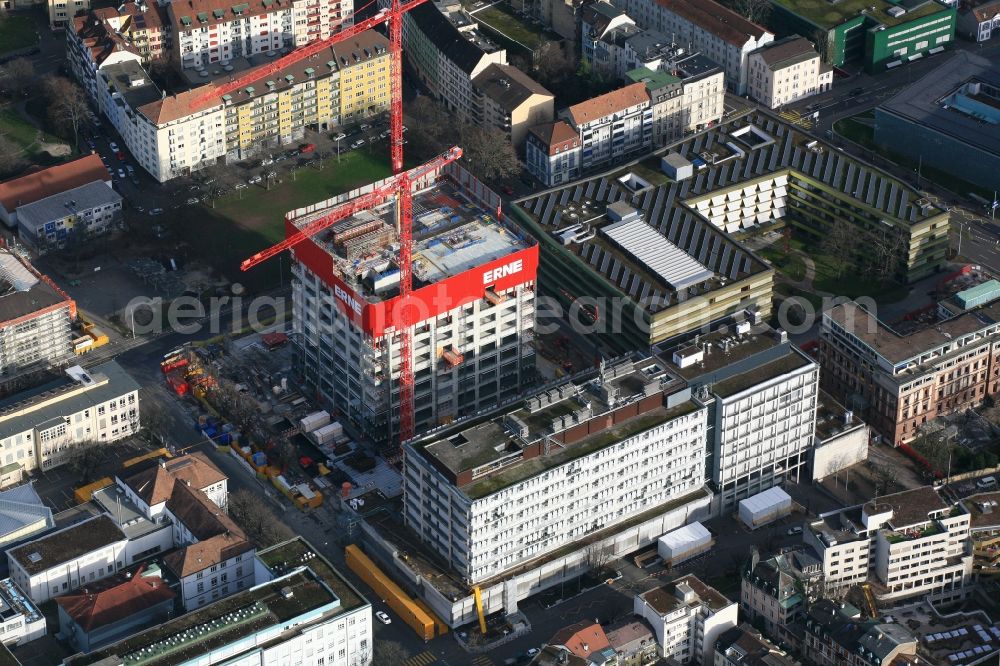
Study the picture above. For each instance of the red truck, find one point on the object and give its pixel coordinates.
(307, 148)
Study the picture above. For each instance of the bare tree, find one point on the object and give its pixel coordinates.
(257, 520)
(153, 421)
(12, 160)
(286, 453)
(389, 652)
(489, 154)
(755, 11)
(553, 67)
(885, 477)
(84, 458)
(431, 131)
(840, 243)
(820, 39)
(67, 105)
(598, 557)
(18, 75)
(885, 244)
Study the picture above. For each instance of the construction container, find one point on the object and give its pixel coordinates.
(407, 609)
(85, 493)
(328, 433)
(765, 507)
(683, 543)
(98, 336)
(313, 421)
(82, 345)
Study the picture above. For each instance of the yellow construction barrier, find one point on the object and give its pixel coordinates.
(398, 600)
(439, 624)
(152, 455)
(85, 493)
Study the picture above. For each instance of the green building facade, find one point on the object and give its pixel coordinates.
(850, 31)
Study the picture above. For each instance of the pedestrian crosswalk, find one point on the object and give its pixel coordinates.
(482, 660)
(796, 118)
(422, 659)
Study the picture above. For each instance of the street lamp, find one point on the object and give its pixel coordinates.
(338, 149)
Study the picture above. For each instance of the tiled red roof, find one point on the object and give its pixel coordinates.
(54, 180)
(557, 136)
(716, 19)
(154, 482)
(582, 639)
(986, 12)
(219, 538)
(114, 599)
(608, 103)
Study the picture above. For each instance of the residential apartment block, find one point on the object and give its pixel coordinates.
(61, 12)
(40, 426)
(613, 126)
(552, 153)
(984, 531)
(745, 646)
(43, 183)
(174, 135)
(507, 99)
(67, 559)
(906, 545)
(786, 71)
(773, 590)
(136, 27)
(899, 381)
(760, 393)
(716, 32)
(302, 612)
(687, 99)
(72, 216)
(688, 617)
(979, 21)
(35, 325)
(835, 638)
(469, 345)
(506, 507)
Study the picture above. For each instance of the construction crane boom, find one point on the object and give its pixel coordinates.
(367, 201)
(214, 92)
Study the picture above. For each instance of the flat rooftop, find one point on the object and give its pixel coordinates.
(943, 101)
(719, 349)
(131, 81)
(897, 348)
(827, 15)
(495, 443)
(831, 417)
(295, 552)
(838, 526)
(221, 623)
(23, 291)
(68, 544)
(113, 500)
(666, 598)
(452, 233)
(984, 510)
(790, 362)
(768, 146)
(908, 507)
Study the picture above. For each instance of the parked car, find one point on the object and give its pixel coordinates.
(383, 618)
(365, 127)
(121, 173)
(156, 211)
(307, 148)
(253, 180)
(121, 155)
(281, 158)
(358, 143)
(240, 186)
(130, 169)
(91, 144)
(857, 91)
(792, 531)
(192, 201)
(508, 190)
(114, 147)
(267, 161)
(532, 652)
(339, 137)
(134, 179)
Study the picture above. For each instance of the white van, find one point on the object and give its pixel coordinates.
(986, 483)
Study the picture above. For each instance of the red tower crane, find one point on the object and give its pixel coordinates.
(402, 185)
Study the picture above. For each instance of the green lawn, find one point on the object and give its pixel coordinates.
(239, 227)
(16, 32)
(788, 290)
(849, 282)
(502, 20)
(790, 265)
(27, 136)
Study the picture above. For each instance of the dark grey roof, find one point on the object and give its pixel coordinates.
(921, 103)
(66, 203)
(121, 75)
(508, 86)
(68, 544)
(22, 292)
(118, 384)
(446, 37)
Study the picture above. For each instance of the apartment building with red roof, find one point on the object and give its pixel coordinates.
(44, 183)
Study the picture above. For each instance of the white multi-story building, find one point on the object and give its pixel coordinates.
(39, 427)
(612, 126)
(552, 153)
(787, 71)
(20, 620)
(761, 393)
(304, 612)
(718, 33)
(74, 215)
(687, 98)
(474, 279)
(908, 544)
(493, 493)
(69, 558)
(319, 19)
(208, 32)
(61, 12)
(213, 558)
(687, 617)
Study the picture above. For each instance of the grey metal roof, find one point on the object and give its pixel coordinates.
(677, 268)
(22, 292)
(66, 203)
(923, 102)
(21, 507)
(118, 384)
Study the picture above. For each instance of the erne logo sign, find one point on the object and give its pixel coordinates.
(495, 274)
(347, 298)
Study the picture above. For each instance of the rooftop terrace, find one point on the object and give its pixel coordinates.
(828, 14)
(451, 232)
(909, 507)
(296, 552)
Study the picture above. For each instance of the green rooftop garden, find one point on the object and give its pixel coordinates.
(828, 15)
